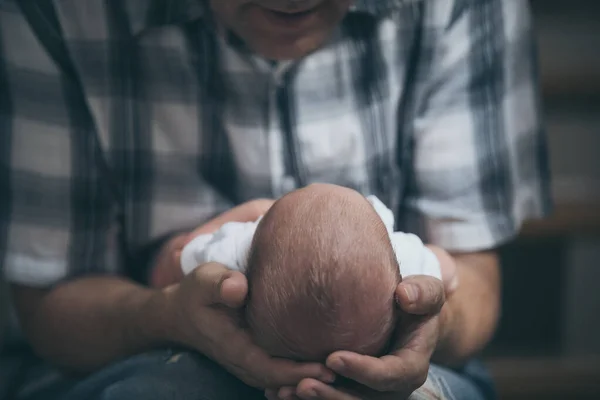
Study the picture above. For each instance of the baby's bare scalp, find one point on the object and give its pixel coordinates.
(322, 275)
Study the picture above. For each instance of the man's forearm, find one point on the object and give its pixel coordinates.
(88, 323)
(470, 316)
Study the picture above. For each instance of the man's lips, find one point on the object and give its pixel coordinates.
(298, 9)
(289, 20)
(287, 14)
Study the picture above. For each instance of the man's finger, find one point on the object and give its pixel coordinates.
(279, 372)
(386, 374)
(234, 290)
(219, 285)
(271, 394)
(287, 393)
(420, 335)
(177, 243)
(421, 295)
(246, 212)
(310, 389)
(249, 359)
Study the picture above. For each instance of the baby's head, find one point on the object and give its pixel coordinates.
(322, 275)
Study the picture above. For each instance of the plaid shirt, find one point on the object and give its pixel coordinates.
(122, 121)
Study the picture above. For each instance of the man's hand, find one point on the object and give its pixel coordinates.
(456, 327)
(397, 375)
(205, 316)
(166, 270)
(245, 212)
(205, 307)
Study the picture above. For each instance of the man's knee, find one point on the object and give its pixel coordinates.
(163, 375)
(147, 387)
(472, 383)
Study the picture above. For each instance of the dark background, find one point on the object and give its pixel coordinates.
(548, 343)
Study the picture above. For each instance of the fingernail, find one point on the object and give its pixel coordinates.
(312, 393)
(337, 364)
(412, 293)
(453, 284)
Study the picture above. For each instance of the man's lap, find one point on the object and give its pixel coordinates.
(471, 383)
(184, 375)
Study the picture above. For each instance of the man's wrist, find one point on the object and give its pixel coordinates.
(447, 316)
(445, 325)
(153, 319)
(469, 316)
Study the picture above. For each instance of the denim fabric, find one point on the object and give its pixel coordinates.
(168, 374)
(471, 383)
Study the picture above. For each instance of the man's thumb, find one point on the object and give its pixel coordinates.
(421, 295)
(220, 285)
(234, 290)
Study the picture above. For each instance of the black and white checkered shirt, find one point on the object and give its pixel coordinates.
(121, 121)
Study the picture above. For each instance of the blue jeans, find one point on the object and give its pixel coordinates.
(166, 374)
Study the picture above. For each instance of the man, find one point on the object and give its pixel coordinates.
(125, 123)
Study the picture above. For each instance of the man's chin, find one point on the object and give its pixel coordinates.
(287, 49)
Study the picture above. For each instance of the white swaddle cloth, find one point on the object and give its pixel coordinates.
(230, 246)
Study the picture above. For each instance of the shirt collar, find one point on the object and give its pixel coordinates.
(144, 14)
(379, 7)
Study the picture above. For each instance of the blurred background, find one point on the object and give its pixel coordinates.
(548, 344)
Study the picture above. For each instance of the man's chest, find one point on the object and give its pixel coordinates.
(193, 116)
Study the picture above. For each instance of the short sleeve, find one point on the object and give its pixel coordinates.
(478, 154)
(55, 212)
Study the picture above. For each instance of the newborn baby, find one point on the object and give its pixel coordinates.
(322, 266)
